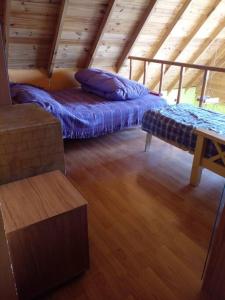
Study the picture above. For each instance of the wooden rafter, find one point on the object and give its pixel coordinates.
(191, 36)
(167, 33)
(135, 35)
(57, 36)
(101, 31)
(206, 44)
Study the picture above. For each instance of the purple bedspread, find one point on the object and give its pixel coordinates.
(85, 115)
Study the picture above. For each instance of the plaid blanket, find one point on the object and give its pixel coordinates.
(176, 124)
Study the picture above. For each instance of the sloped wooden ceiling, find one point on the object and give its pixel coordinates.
(102, 33)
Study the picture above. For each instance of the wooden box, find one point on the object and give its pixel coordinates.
(30, 142)
(45, 220)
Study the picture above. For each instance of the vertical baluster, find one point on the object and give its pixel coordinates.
(130, 75)
(180, 84)
(161, 78)
(145, 72)
(204, 85)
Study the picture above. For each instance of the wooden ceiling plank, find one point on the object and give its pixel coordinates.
(167, 33)
(57, 36)
(187, 41)
(206, 44)
(101, 31)
(129, 46)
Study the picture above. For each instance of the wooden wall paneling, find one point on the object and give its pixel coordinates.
(6, 21)
(7, 282)
(135, 34)
(57, 36)
(186, 42)
(205, 45)
(101, 31)
(5, 97)
(167, 33)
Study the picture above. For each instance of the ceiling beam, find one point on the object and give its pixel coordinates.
(129, 46)
(57, 36)
(102, 28)
(167, 33)
(205, 45)
(186, 42)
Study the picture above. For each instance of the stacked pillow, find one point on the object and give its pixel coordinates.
(109, 85)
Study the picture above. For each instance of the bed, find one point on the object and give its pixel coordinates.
(88, 112)
(193, 129)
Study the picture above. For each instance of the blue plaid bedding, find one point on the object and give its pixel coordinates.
(176, 124)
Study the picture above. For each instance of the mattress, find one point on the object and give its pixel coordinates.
(176, 124)
(85, 115)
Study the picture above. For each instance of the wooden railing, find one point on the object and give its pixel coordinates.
(205, 69)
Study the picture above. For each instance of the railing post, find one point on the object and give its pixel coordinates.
(130, 75)
(161, 78)
(204, 85)
(145, 72)
(180, 84)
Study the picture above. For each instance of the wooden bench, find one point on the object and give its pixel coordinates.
(45, 221)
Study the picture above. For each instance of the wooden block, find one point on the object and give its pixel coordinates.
(45, 220)
(30, 142)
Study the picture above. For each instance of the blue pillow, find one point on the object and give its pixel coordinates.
(109, 85)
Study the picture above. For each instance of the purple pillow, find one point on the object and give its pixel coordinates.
(109, 85)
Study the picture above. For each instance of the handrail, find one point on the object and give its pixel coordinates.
(182, 66)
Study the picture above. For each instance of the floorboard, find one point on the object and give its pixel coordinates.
(148, 229)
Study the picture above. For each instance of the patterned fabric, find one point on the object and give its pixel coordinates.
(85, 115)
(176, 124)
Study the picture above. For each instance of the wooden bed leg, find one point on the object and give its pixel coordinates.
(148, 141)
(196, 171)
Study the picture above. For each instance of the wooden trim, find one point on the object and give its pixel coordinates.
(101, 31)
(190, 38)
(57, 36)
(210, 135)
(161, 78)
(180, 84)
(129, 46)
(201, 50)
(145, 72)
(204, 86)
(7, 281)
(5, 97)
(179, 64)
(131, 69)
(168, 31)
(6, 21)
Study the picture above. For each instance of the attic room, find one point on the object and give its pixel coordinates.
(112, 149)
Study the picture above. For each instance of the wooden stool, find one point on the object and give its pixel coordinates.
(45, 220)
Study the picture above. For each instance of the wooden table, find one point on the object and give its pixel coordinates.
(45, 220)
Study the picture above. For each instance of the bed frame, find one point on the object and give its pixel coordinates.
(199, 161)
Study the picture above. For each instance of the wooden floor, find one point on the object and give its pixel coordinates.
(148, 229)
